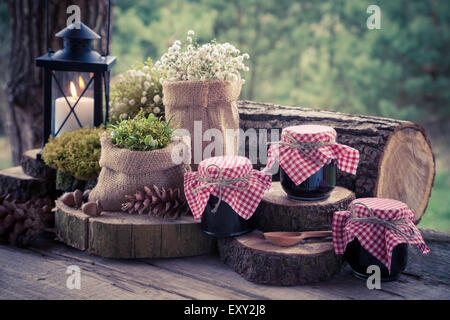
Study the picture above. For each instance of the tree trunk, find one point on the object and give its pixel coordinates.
(24, 84)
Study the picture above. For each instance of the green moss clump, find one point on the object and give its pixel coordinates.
(143, 133)
(76, 153)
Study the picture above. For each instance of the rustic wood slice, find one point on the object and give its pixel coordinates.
(35, 167)
(396, 157)
(23, 187)
(121, 235)
(277, 212)
(257, 260)
(72, 226)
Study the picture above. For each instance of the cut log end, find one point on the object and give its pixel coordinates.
(257, 260)
(125, 236)
(277, 212)
(407, 169)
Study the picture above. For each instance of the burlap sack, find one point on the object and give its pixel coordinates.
(123, 171)
(212, 102)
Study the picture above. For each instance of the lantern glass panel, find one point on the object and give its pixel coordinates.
(72, 101)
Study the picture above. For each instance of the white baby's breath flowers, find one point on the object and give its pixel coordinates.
(136, 91)
(209, 61)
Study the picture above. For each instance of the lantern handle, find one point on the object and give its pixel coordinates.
(109, 29)
(47, 38)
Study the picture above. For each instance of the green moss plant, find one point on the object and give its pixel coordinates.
(75, 153)
(143, 133)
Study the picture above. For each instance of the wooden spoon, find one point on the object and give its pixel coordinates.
(286, 239)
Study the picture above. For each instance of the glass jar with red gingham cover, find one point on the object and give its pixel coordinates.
(309, 156)
(224, 193)
(376, 231)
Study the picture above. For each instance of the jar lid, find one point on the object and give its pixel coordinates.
(382, 208)
(309, 133)
(230, 178)
(230, 167)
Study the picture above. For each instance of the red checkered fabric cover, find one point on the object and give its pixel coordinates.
(377, 239)
(243, 199)
(300, 167)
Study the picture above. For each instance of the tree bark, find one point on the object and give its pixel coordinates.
(24, 84)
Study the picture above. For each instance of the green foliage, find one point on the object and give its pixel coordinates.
(137, 89)
(142, 133)
(437, 216)
(317, 54)
(76, 153)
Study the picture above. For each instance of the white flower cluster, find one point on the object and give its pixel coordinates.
(137, 88)
(209, 61)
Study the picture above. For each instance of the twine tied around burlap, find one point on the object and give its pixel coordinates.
(303, 147)
(393, 225)
(221, 183)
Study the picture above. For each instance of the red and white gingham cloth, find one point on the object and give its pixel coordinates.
(378, 240)
(297, 166)
(244, 201)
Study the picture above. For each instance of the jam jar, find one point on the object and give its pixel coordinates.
(316, 187)
(360, 259)
(225, 222)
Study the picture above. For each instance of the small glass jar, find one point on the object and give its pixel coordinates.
(360, 259)
(316, 187)
(225, 222)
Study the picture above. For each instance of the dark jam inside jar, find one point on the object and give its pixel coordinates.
(360, 259)
(316, 187)
(225, 222)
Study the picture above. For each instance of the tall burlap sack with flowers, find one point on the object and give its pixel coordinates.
(123, 171)
(213, 102)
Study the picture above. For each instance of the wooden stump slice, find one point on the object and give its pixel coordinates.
(257, 260)
(35, 167)
(125, 236)
(72, 226)
(277, 212)
(23, 187)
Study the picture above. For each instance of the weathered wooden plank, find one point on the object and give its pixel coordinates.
(135, 273)
(39, 273)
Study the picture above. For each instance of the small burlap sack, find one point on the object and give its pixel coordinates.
(212, 102)
(123, 171)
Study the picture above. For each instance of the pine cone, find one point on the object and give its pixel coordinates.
(169, 204)
(22, 222)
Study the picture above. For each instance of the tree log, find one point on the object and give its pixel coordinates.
(277, 212)
(257, 260)
(396, 157)
(24, 87)
(125, 236)
(23, 187)
(36, 167)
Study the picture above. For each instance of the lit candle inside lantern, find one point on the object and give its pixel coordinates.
(84, 110)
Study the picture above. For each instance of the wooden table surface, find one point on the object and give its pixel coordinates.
(39, 272)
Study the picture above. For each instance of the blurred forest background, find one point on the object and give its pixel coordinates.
(317, 54)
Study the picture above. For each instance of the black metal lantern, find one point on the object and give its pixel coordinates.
(74, 80)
